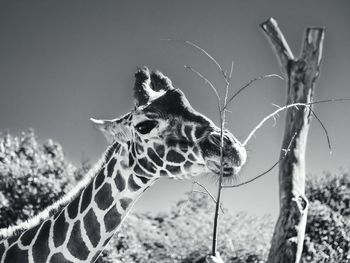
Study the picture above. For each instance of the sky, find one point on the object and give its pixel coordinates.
(63, 62)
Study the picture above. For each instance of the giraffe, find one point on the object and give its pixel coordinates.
(163, 136)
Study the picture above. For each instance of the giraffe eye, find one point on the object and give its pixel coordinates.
(146, 126)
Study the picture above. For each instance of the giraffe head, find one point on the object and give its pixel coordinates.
(165, 136)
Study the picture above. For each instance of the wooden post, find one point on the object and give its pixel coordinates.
(301, 74)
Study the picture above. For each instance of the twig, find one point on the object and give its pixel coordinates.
(328, 100)
(208, 193)
(228, 82)
(206, 81)
(257, 177)
(324, 128)
(284, 108)
(285, 151)
(222, 127)
(216, 215)
(205, 189)
(249, 83)
(206, 53)
(274, 121)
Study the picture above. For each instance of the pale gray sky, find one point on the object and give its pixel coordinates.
(62, 62)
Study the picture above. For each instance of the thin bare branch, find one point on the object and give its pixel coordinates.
(274, 121)
(284, 108)
(285, 151)
(329, 100)
(206, 81)
(257, 177)
(277, 106)
(324, 128)
(271, 116)
(228, 82)
(206, 53)
(231, 70)
(289, 145)
(206, 190)
(208, 193)
(249, 83)
(216, 214)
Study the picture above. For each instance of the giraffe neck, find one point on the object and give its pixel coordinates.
(81, 230)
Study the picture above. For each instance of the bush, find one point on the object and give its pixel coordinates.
(32, 176)
(332, 190)
(328, 227)
(184, 235)
(327, 235)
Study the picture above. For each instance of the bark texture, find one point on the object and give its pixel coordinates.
(301, 74)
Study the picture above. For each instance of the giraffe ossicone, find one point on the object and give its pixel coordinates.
(163, 136)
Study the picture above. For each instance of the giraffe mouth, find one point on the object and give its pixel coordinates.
(227, 169)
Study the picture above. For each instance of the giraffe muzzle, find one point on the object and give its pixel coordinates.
(234, 153)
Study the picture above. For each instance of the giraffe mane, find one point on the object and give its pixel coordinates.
(14, 230)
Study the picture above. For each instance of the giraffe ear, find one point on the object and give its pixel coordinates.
(113, 130)
(160, 82)
(149, 86)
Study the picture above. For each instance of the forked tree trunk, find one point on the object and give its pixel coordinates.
(301, 74)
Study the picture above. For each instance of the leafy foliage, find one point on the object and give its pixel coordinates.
(184, 235)
(331, 190)
(328, 227)
(32, 176)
